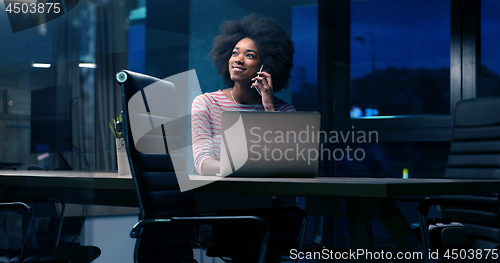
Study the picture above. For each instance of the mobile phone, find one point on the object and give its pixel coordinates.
(261, 67)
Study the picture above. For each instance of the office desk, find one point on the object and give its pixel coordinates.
(96, 188)
(347, 186)
(366, 199)
(321, 186)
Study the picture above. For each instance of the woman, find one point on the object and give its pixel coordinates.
(254, 57)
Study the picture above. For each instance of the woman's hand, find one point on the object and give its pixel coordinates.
(265, 85)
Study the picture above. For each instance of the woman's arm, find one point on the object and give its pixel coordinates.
(210, 167)
(203, 152)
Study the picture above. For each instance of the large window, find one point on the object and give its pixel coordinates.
(489, 78)
(393, 68)
(304, 80)
(396, 67)
(83, 49)
(400, 58)
(62, 71)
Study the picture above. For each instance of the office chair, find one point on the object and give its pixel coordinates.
(166, 228)
(474, 153)
(16, 218)
(43, 234)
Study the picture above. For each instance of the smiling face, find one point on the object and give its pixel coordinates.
(245, 61)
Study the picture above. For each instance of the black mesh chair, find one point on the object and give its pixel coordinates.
(42, 224)
(168, 216)
(16, 219)
(474, 154)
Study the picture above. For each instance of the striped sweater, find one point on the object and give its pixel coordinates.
(206, 114)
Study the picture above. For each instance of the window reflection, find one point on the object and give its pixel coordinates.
(74, 54)
(396, 160)
(400, 58)
(88, 45)
(489, 78)
(304, 74)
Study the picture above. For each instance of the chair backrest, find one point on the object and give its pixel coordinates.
(48, 216)
(16, 218)
(148, 121)
(42, 228)
(475, 154)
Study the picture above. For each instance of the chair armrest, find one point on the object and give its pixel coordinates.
(423, 207)
(135, 233)
(264, 211)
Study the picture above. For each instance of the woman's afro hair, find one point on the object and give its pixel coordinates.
(274, 44)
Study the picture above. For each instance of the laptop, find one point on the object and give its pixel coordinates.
(270, 144)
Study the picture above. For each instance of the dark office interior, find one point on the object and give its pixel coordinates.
(395, 68)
